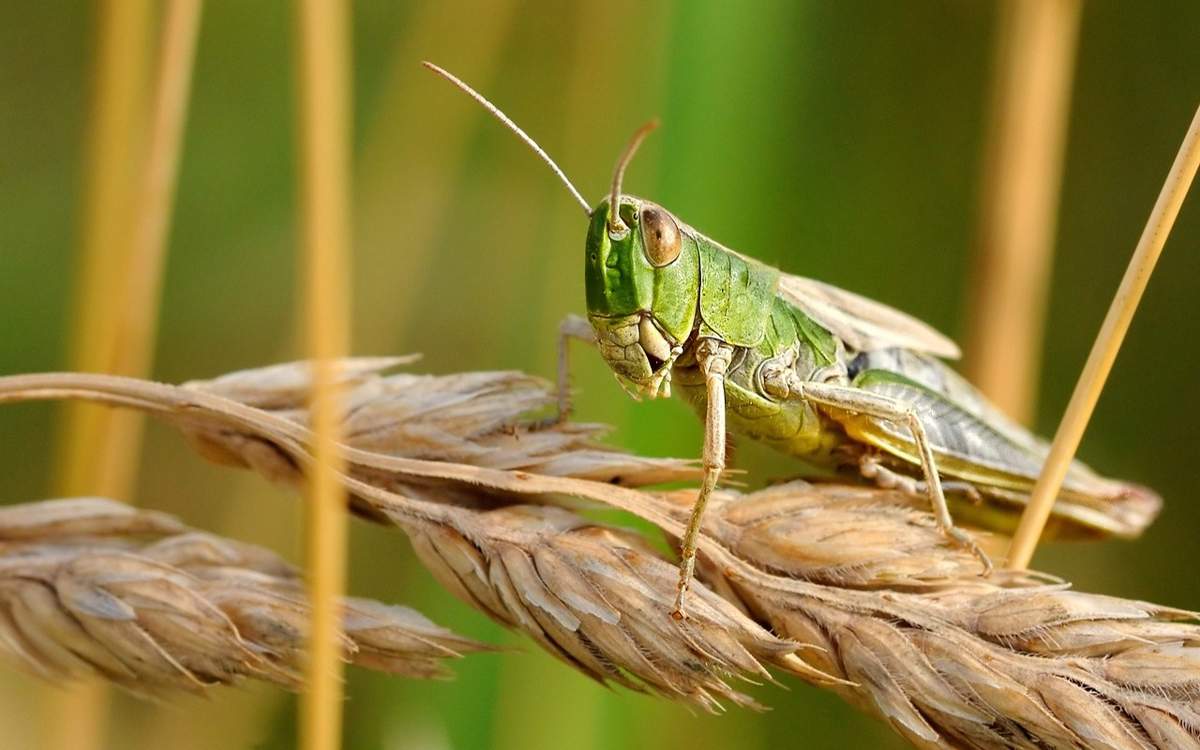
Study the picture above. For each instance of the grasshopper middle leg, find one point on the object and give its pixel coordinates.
(871, 467)
(713, 358)
(897, 412)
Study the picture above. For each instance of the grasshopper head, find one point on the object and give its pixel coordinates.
(643, 270)
(642, 283)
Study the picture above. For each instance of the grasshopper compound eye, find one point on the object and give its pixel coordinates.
(660, 236)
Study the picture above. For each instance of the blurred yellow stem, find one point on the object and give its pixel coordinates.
(1107, 344)
(322, 68)
(1022, 177)
(88, 461)
(95, 451)
(134, 345)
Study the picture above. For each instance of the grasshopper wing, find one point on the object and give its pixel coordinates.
(863, 324)
(1000, 459)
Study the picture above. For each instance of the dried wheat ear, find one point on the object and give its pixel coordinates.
(850, 588)
(90, 586)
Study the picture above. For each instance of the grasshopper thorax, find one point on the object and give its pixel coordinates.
(643, 282)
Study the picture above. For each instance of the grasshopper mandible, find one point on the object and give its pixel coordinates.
(809, 369)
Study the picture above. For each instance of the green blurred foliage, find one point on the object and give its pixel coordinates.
(838, 140)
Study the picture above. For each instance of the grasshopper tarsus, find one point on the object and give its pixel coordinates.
(872, 468)
(965, 541)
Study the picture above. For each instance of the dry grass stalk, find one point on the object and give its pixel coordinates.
(851, 588)
(97, 450)
(92, 587)
(115, 125)
(1106, 346)
(323, 79)
(151, 220)
(1022, 174)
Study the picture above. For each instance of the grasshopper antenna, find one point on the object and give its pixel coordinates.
(508, 123)
(616, 227)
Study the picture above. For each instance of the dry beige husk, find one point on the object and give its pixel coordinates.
(850, 588)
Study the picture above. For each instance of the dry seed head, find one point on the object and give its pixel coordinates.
(87, 589)
(844, 536)
(1007, 661)
(598, 599)
(79, 517)
(476, 418)
(858, 576)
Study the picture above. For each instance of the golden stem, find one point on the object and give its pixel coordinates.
(133, 352)
(91, 456)
(322, 67)
(86, 458)
(1107, 344)
(1022, 177)
(134, 345)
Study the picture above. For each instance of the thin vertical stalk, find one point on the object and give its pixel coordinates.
(322, 47)
(1107, 344)
(134, 345)
(87, 459)
(133, 352)
(1022, 178)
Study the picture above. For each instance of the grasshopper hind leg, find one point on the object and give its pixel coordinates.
(854, 401)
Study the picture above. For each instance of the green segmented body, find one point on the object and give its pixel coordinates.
(713, 292)
(807, 368)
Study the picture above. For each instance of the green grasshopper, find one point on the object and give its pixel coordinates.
(814, 371)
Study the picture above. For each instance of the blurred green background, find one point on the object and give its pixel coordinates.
(840, 140)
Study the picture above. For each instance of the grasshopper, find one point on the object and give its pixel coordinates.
(812, 370)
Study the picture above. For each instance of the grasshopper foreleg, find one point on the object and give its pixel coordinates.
(874, 405)
(713, 357)
(571, 327)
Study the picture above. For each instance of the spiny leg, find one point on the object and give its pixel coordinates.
(713, 358)
(898, 412)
